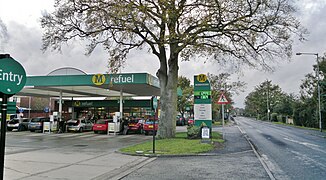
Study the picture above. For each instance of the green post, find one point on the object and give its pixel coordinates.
(12, 81)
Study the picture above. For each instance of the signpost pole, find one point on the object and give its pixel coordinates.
(222, 100)
(154, 105)
(8, 87)
(3, 132)
(154, 132)
(223, 121)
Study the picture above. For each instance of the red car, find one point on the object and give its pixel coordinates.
(135, 125)
(100, 125)
(149, 125)
(191, 121)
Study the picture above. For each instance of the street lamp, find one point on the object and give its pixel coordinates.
(267, 105)
(318, 86)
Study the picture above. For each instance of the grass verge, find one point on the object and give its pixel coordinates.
(179, 145)
(302, 127)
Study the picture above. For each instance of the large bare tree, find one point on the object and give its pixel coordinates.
(3, 35)
(247, 32)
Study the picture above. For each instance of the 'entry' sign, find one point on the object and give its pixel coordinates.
(12, 76)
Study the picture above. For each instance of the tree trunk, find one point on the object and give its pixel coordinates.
(168, 98)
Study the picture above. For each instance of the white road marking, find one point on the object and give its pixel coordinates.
(261, 132)
(309, 145)
(308, 160)
(302, 143)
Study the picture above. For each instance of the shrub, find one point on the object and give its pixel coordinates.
(193, 132)
(274, 117)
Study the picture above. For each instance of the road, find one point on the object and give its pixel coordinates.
(289, 152)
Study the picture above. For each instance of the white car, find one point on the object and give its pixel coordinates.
(18, 124)
(79, 125)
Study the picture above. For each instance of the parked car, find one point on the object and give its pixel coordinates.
(191, 121)
(135, 125)
(79, 125)
(0, 123)
(100, 125)
(149, 125)
(37, 123)
(19, 124)
(180, 121)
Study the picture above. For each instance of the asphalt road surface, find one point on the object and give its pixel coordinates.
(289, 152)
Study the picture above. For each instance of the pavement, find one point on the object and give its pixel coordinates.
(237, 160)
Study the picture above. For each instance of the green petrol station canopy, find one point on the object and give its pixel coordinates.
(91, 85)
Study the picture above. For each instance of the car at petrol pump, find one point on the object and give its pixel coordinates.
(79, 125)
(101, 126)
(135, 125)
(20, 124)
(36, 124)
(149, 125)
(180, 121)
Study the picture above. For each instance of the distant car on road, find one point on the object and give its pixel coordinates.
(79, 125)
(36, 124)
(18, 124)
(100, 125)
(149, 125)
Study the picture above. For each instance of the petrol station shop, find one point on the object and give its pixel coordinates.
(105, 109)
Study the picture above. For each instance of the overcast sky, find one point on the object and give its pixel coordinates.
(24, 43)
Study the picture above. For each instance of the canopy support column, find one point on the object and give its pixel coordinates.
(29, 106)
(121, 105)
(60, 106)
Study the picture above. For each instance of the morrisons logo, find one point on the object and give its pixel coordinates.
(201, 78)
(98, 79)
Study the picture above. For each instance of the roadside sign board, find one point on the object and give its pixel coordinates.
(11, 107)
(46, 109)
(205, 133)
(154, 103)
(179, 91)
(46, 127)
(12, 80)
(202, 100)
(12, 76)
(222, 99)
(202, 111)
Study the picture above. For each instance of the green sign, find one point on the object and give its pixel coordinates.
(11, 108)
(202, 100)
(202, 94)
(179, 91)
(92, 79)
(154, 102)
(12, 76)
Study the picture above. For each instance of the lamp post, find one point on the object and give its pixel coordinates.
(267, 105)
(318, 86)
